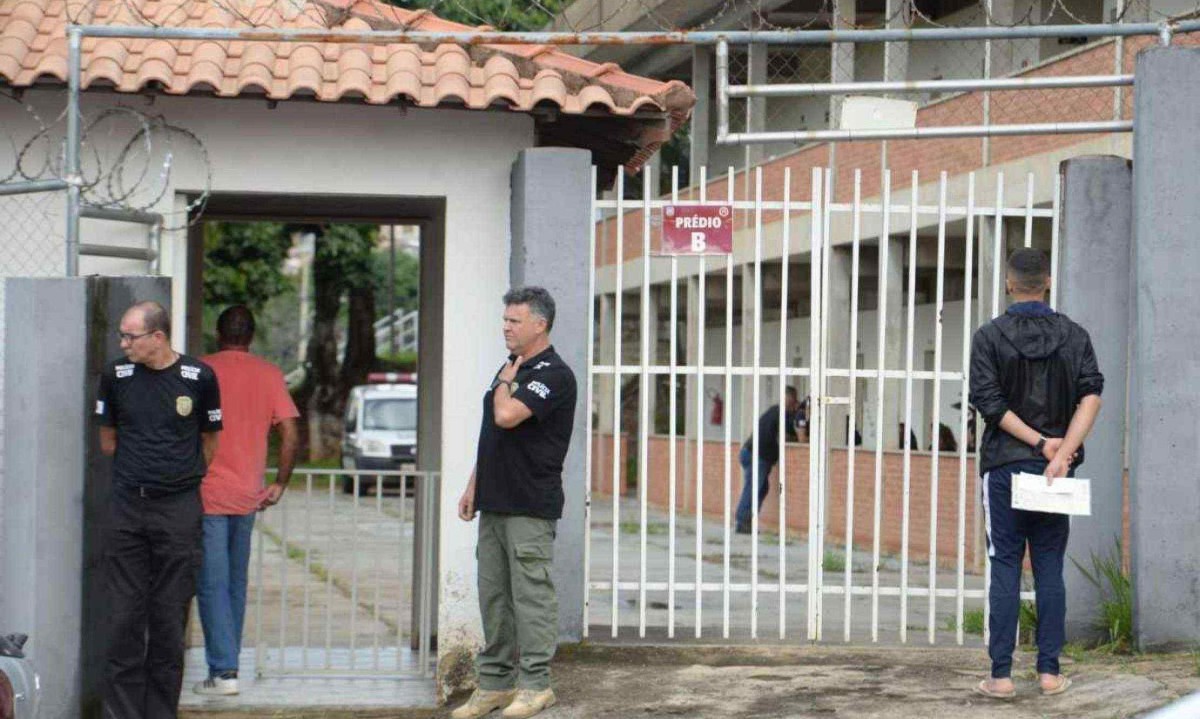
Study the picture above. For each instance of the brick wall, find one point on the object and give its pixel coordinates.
(928, 157)
(714, 490)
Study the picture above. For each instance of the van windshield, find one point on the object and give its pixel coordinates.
(390, 414)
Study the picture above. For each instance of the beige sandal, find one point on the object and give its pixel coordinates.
(983, 688)
(1063, 683)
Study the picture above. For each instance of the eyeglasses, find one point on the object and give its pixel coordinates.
(127, 337)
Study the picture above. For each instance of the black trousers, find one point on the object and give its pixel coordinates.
(153, 558)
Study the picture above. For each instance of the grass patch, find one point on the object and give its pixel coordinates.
(1196, 662)
(833, 562)
(651, 529)
(1115, 619)
(972, 622)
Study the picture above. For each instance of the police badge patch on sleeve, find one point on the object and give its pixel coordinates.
(183, 406)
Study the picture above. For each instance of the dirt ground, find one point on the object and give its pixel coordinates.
(776, 681)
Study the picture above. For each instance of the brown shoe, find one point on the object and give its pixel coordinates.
(530, 702)
(482, 703)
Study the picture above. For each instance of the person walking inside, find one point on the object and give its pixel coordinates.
(255, 400)
(1035, 380)
(516, 487)
(767, 455)
(159, 414)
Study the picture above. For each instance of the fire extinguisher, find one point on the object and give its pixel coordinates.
(718, 408)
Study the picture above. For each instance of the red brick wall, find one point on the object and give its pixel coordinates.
(797, 460)
(928, 157)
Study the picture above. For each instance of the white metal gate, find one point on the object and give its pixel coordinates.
(680, 566)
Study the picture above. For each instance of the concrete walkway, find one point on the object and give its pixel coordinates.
(795, 568)
(328, 616)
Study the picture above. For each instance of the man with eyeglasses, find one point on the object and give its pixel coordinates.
(159, 412)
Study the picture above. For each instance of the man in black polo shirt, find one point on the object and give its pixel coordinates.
(160, 412)
(528, 414)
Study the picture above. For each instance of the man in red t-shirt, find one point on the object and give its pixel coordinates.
(255, 398)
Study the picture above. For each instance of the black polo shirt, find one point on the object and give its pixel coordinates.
(519, 470)
(159, 415)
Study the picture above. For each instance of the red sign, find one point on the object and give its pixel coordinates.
(697, 230)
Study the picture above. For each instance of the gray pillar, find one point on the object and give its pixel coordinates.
(430, 343)
(657, 294)
(1093, 289)
(841, 57)
(756, 107)
(985, 252)
(702, 85)
(1165, 391)
(893, 343)
(606, 346)
(838, 415)
(750, 299)
(55, 518)
(693, 423)
(551, 212)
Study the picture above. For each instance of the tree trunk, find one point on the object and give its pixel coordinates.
(322, 396)
(360, 338)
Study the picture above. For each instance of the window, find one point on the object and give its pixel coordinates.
(390, 414)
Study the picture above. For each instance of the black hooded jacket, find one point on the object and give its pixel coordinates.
(1036, 363)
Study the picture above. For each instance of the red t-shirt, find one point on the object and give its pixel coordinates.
(254, 398)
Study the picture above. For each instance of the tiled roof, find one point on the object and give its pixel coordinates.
(33, 49)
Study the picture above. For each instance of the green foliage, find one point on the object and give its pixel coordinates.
(399, 362)
(833, 562)
(500, 14)
(972, 622)
(1027, 621)
(344, 256)
(243, 263)
(408, 281)
(1116, 605)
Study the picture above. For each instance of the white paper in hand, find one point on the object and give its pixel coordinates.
(1066, 496)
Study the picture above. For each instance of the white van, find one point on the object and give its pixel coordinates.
(380, 432)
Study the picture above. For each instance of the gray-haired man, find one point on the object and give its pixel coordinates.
(528, 414)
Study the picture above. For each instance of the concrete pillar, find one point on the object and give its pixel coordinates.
(841, 57)
(985, 252)
(838, 276)
(653, 330)
(702, 63)
(551, 212)
(55, 519)
(750, 299)
(1093, 289)
(756, 106)
(1164, 494)
(893, 342)
(605, 349)
(431, 356)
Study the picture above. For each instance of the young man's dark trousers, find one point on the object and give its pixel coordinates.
(153, 557)
(1009, 531)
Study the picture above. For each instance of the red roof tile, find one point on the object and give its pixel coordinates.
(518, 77)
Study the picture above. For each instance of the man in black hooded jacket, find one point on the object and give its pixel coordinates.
(1035, 380)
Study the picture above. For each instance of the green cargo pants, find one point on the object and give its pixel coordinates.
(517, 601)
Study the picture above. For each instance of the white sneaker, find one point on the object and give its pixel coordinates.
(530, 702)
(482, 703)
(216, 687)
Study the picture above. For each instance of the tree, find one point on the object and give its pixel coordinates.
(342, 267)
(511, 15)
(243, 264)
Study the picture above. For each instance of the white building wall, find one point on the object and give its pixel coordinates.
(308, 147)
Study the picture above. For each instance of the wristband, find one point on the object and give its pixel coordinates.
(1041, 444)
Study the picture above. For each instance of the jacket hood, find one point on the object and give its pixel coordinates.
(1034, 335)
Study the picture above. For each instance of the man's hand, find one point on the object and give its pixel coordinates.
(1058, 467)
(466, 505)
(509, 372)
(1050, 449)
(275, 492)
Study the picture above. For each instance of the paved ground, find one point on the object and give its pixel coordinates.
(334, 578)
(595, 682)
(795, 570)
